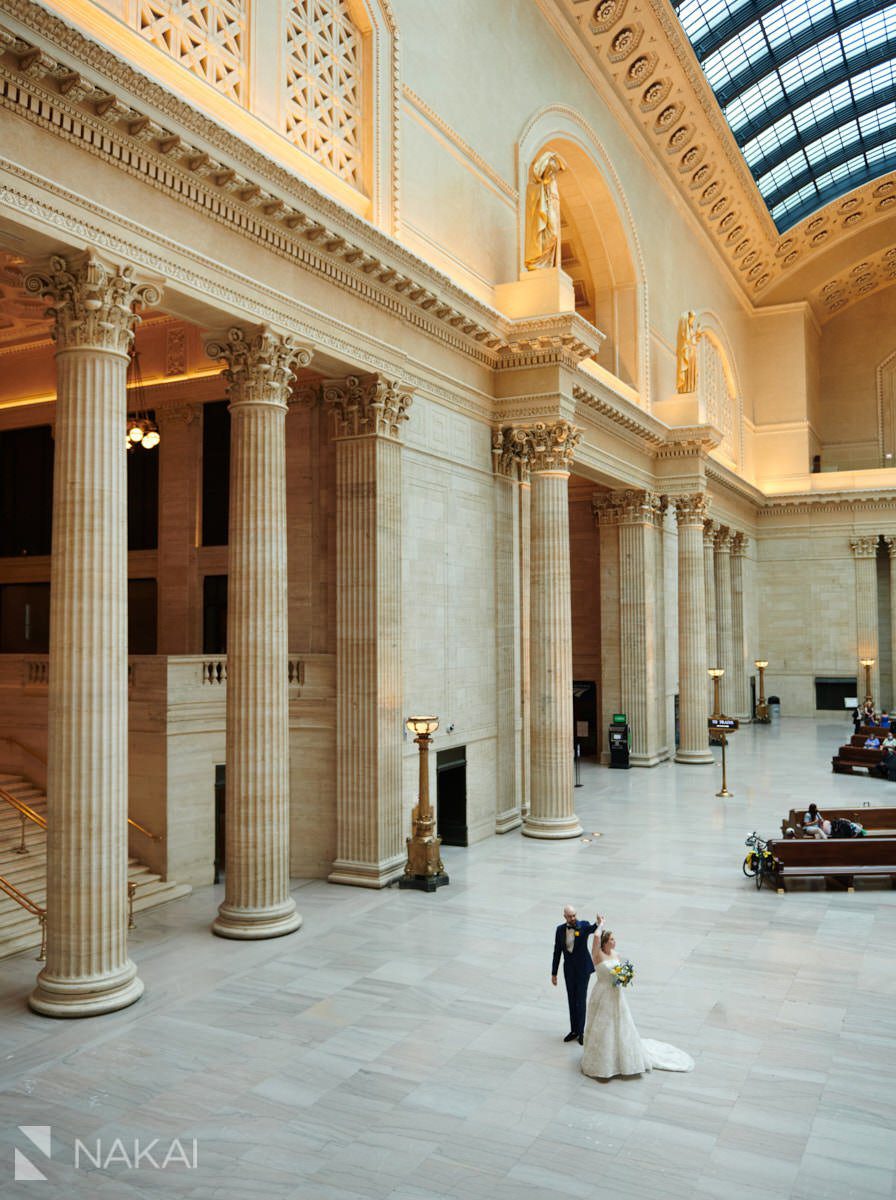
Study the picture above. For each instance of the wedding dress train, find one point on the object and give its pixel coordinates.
(612, 1045)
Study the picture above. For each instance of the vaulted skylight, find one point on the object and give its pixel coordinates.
(808, 88)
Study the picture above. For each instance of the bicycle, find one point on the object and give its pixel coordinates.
(759, 862)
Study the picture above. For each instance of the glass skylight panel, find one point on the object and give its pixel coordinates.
(765, 60)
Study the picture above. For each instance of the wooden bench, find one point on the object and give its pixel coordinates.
(879, 822)
(842, 858)
(858, 739)
(849, 757)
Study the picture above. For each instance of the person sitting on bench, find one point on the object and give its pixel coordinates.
(888, 742)
(872, 742)
(884, 720)
(814, 824)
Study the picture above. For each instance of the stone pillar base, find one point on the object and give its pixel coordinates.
(694, 758)
(649, 760)
(369, 875)
(248, 924)
(85, 997)
(552, 829)
(507, 821)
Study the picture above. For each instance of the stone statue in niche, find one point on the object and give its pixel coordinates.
(543, 212)
(688, 336)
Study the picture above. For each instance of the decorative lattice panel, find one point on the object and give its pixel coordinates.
(207, 36)
(324, 85)
(716, 401)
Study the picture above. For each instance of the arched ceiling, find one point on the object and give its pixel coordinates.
(808, 88)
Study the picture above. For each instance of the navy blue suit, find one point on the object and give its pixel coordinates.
(577, 971)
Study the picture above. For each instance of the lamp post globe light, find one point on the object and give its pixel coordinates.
(424, 869)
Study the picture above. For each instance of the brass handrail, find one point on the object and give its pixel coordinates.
(30, 906)
(155, 837)
(26, 812)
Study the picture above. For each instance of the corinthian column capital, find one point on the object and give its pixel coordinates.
(691, 509)
(93, 301)
(367, 405)
(864, 547)
(629, 507)
(739, 544)
(710, 529)
(890, 543)
(260, 364)
(724, 538)
(544, 447)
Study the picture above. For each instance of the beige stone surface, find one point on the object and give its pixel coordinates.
(693, 744)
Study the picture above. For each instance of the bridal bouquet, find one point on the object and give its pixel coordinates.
(624, 973)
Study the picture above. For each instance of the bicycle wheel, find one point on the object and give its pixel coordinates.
(749, 867)
(760, 872)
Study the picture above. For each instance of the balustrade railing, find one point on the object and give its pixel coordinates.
(31, 906)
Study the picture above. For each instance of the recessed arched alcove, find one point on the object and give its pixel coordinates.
(599, 246)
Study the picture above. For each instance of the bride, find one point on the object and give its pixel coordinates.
(612, 1043)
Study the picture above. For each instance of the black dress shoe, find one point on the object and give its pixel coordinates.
(581, 1040)
(570, 1037)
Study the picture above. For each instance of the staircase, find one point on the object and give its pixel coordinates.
(20, 930)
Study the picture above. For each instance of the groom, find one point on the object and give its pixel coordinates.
(571, 941)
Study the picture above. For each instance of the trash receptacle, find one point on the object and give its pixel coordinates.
(774, 707)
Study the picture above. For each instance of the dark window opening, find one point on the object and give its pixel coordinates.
(143, 497)
(142, 616)
(215, 473)
(214, 614)
(26, 491)
(25, 618)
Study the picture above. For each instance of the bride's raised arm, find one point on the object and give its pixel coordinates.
(597, 955)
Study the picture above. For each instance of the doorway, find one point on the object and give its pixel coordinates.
(451, 796)
(584, 715)
(220, 811)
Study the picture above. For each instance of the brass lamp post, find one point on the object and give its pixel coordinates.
(715, 674)
(761, 705)
(867, 663)
(423, 869)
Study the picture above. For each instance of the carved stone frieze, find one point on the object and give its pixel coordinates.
(691, 509)
(864, 546)
(184, 413)
(260, 364)
(176, 350)
(93, 301)
(367, 405)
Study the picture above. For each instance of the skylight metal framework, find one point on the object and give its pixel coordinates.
(808, 88)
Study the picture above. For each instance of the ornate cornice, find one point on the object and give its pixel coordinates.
(366, 406)
(870, 275)
(121, 122)
(627, 416)
(93, 301)
(687, 441)
(639, 47)
(260, 365)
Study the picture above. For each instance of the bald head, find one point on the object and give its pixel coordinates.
(569, 915)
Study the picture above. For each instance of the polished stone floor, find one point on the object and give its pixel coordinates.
(409, 1047)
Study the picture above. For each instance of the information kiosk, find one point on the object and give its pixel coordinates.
(618, 738)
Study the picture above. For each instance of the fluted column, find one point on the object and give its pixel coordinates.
(87, 968)
(693, 744)
(709, 594)
(547, 451)
(864, 551)
(368, 413)
(507, 641)
(890, 541)
(725, 650)
(640, 515)
(257, 901)
(525, 583)
(740, 704)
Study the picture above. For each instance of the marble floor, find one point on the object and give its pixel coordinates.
(409, 1047)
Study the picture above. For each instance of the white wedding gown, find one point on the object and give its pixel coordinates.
(612, 1045)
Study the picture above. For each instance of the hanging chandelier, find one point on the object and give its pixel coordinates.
(142, 429)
